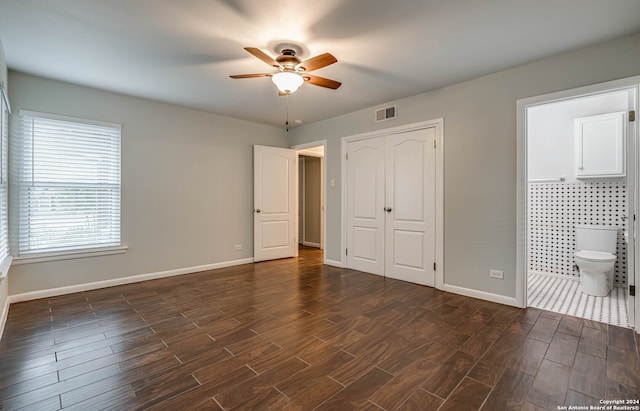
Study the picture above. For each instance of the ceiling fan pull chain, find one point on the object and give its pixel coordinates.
(287, 120)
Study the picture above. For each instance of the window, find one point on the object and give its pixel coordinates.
(68, 184)
(5, 260)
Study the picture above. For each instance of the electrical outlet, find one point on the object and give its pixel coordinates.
(237, 247)
(496, 274)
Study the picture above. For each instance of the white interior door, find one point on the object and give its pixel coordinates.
(410, 206)
(365, 204)
(274, 219)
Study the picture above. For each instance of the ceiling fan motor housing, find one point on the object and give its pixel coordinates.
(288, 59)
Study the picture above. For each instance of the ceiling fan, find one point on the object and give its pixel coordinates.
(293, 72)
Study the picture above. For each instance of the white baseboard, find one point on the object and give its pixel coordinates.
(3, 316)
(34, 295)
(334, 263)
(310, 244)
(483, 295)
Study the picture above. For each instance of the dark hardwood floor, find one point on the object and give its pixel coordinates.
(296, 335)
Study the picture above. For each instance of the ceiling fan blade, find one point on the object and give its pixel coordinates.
(318, 62)
(321, 81)
(262, 56)
(250, 75)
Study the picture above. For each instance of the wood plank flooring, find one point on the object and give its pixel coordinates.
(294, 334)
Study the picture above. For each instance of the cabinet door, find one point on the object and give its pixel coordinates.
(600, 146)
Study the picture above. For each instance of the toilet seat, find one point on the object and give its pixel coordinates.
(595, 256)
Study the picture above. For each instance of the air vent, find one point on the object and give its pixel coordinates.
(387, 113)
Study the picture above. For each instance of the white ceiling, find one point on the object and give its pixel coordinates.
(183, 51)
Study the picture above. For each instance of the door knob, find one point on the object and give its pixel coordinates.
(258, 210)
(387, 209)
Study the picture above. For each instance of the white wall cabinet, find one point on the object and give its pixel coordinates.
(600, 146)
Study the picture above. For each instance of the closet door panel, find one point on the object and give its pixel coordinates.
(365, 203)
(410, 201)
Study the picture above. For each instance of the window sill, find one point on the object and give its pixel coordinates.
(4, 267)
(69, 255)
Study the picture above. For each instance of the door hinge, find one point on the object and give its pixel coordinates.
(632, 115)
(632, 290)
(434, 266)
(346, 251)
(434, 143)
(346, 156)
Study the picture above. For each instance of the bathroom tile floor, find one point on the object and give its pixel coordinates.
(565, 296)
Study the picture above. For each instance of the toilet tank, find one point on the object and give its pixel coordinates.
(601, 238)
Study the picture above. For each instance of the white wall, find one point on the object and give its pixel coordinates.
(187, 183)
(479, 154)
(550, 148)
(3, 66)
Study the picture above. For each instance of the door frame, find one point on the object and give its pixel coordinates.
(631, 83)
(439, 224)
(299, 147)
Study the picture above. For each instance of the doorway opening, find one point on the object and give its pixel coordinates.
(311, 195)
(578, 160)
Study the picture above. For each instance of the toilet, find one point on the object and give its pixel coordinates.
(595, 257)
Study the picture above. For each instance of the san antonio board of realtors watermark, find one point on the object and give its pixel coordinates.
(605, 405)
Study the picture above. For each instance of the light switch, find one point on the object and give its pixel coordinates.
(332, 182)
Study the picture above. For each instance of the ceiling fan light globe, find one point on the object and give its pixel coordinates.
(287, 82)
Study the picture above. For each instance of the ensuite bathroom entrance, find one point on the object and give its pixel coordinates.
(580, 205)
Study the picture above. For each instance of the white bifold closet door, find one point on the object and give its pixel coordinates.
(391, 206)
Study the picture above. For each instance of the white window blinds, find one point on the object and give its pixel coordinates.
(4, 138)
(68, 180)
